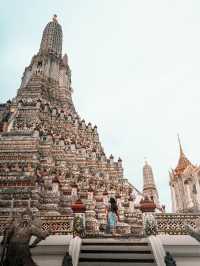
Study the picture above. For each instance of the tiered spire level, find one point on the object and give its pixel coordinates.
(52, 39)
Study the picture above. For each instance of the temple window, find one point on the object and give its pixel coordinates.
(39, 64)
(194, 189)
(1, 127)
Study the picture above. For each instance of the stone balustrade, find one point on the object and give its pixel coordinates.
(173, 224)
(57, 225)
(167, 223)
(61, 225)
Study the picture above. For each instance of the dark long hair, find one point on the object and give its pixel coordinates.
(113, 206)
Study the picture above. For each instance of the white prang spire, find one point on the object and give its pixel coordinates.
(52, 38)
(149, 187)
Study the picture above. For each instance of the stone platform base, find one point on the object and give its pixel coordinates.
(184, 249)
(120, 251)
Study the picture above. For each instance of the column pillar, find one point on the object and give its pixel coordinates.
(198, 190)
(189, 198)
(174, 204)
(12, 206)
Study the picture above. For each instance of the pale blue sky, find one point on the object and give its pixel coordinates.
(135, 73)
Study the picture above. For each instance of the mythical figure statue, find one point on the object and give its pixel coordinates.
(192, 232)
(150, 225)
(78, 227)
(16, 248)
(169, 260)
(67, 260)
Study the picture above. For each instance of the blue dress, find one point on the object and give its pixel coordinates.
(112, 220)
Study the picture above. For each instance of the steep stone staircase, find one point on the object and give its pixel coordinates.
(116, 252)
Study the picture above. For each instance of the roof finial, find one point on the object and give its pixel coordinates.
(145, 160)
(179, 141)
(55, 17)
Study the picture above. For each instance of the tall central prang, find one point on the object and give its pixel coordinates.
(48, 77)
(50, 160)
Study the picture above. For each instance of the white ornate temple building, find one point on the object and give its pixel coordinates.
(185, 185)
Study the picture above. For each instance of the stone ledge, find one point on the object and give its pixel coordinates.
(184, 249)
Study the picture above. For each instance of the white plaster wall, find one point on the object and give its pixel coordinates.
(48, 260)
(184, 249)
(187, 261)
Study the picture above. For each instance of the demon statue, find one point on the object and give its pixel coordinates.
(16, 247)
(169, 260)
(78, 227)
(192, 232)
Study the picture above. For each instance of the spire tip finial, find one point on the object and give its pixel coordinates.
(180, 146)
(55, 18)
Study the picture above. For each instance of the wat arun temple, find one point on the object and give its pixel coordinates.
(52, 160)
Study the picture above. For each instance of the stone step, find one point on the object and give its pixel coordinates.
(117, 264)
(116, 240)
(125, 256)
(108, 241)
(116, 248)
(116, 252)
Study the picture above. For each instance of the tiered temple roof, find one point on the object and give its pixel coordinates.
(183, 161)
